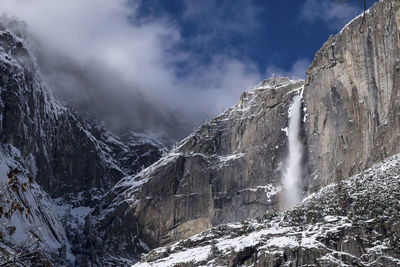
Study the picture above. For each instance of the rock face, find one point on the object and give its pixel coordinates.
(227, 170)
(352, 95)
(355, 223)
(65, 153)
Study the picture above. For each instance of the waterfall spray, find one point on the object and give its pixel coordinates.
(291, 176)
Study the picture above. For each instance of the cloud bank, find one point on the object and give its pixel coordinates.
(144, 71)
(101, 58)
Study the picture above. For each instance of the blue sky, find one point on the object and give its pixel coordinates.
(278, 36)
(169, 65)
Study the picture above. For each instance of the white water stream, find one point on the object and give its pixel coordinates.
(291, 176)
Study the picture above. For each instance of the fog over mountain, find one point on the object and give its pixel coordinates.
(107, 61)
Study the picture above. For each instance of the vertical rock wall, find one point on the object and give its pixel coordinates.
(352, 96)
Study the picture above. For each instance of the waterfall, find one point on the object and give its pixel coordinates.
(291, 177)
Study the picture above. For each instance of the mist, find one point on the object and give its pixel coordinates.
(108, 63)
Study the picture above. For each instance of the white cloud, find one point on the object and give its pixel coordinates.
(335, 15)
(297, 70)
(93, 43)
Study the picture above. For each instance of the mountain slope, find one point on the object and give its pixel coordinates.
(66, 156)
(355, 223)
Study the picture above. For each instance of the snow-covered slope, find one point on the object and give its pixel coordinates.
(28, 222)
(354, 223)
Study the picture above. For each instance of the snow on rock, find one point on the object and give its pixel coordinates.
(354, 222)
(28, 222)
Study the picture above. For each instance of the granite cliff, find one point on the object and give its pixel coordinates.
(352, 96)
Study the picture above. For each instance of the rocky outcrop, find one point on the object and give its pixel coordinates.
(352, 96)
(65, 153)
(227, 170)
(354, 223)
